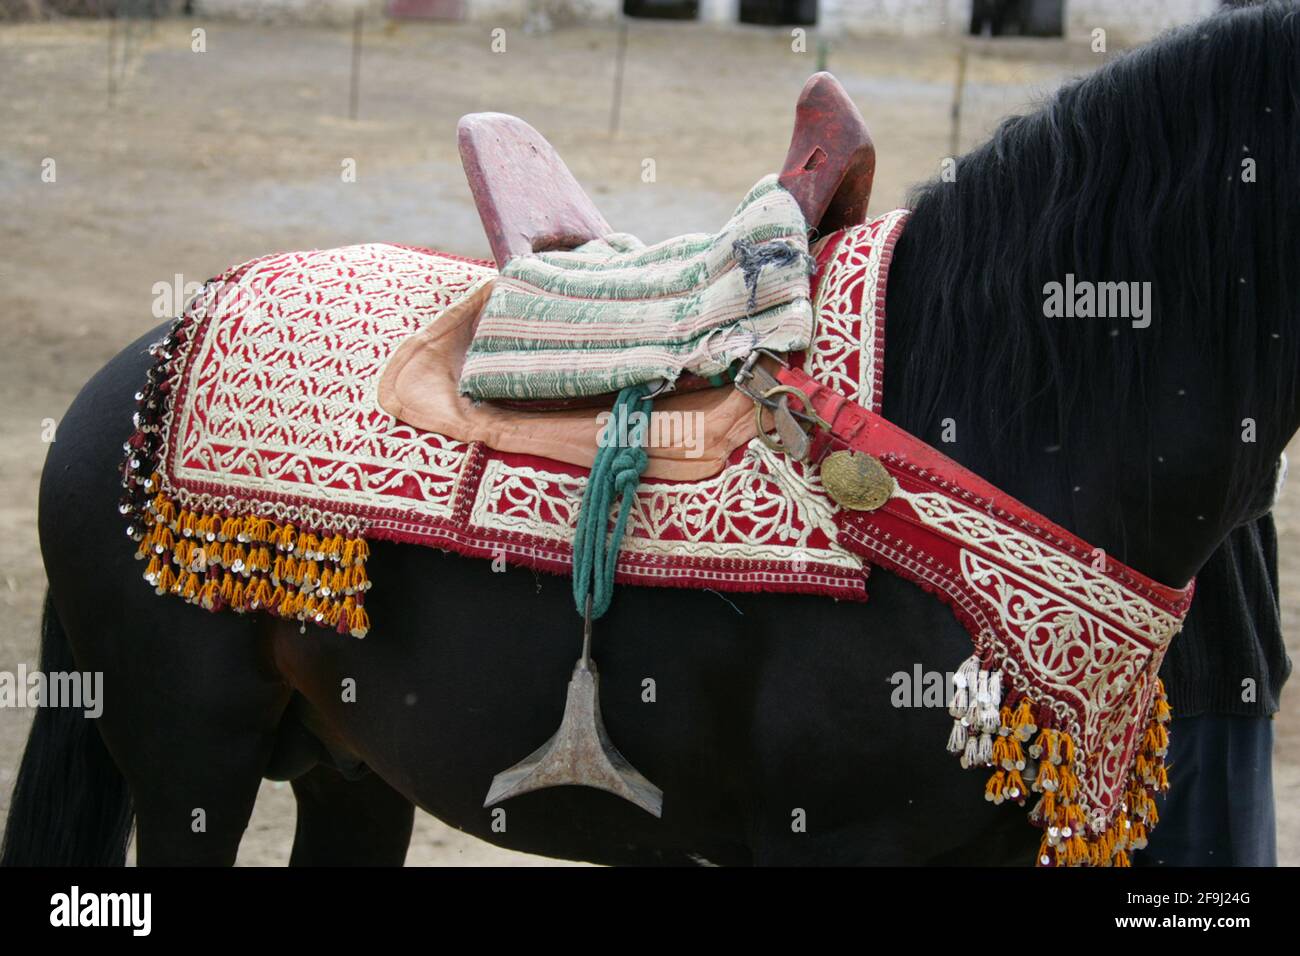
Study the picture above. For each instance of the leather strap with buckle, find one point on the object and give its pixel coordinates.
(794, 427)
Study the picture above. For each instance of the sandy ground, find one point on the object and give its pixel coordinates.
(202, 160)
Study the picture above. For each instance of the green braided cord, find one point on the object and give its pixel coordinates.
(616, 472)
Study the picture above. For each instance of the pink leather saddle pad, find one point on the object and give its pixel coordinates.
(419, 387)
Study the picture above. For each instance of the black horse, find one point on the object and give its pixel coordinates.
(1176, 165)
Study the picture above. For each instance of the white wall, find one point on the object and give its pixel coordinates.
(895, 17)
(558, 12)
(1131, 20)
(719, 11)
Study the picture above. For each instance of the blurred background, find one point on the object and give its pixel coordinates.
(147, 144)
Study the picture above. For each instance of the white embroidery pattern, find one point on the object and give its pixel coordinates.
(1086, 586)
(1066, 634)
(848, 323)
(1057, 652)
(280, 387)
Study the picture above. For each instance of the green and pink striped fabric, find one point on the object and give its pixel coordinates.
(615, 312)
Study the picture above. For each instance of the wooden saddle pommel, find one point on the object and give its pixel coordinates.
(530, 202)
(526, 197)
(832, 161)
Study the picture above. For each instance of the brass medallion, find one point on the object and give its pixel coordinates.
(856, 480)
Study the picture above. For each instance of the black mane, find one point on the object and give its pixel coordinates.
(1133, 173)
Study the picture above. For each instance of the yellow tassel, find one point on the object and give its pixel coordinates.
(1022, 723)
(1162, 711)
(1002, 752)
(1068, 785)
(306, 546)
(1047, 805)
(360, 622)
(993, 789)
(1015, 789)
(165, 580)
(1046, 853)
(164, 509)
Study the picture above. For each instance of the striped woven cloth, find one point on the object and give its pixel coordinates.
(615, 312)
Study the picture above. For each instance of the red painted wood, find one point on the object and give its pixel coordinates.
(530, 202)
(832, 161)
(526, 196)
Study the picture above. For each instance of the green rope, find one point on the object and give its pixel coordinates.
(616, 472)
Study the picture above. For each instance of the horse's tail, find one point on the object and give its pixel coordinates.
(71, 805)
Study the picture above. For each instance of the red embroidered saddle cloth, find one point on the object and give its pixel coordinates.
(274, 413)
(262, 466)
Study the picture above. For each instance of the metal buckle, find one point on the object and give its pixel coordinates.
(796, 440)
(794, 427)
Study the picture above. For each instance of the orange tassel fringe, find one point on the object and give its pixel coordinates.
(252, 563)
(1066, 841)
(988, 732)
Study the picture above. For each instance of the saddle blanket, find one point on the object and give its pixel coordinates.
(261, 421)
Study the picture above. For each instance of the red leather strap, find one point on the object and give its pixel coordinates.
(916, 465)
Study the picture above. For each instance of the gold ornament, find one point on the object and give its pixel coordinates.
(856, 480)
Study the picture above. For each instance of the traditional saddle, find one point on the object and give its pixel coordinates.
(307, 403)
(530, 202)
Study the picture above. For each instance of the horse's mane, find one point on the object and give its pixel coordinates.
(1133, 173)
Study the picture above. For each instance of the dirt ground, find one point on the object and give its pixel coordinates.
(202, 160)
